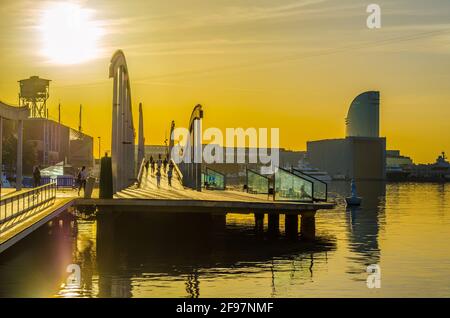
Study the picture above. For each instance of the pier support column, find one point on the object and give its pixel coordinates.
(259, 223)
(308, 225)
(274, 224)
(106, 240)
(219, 221)
(291, 226)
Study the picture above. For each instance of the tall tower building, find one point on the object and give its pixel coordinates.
(363, 118)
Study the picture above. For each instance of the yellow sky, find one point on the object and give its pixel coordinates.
(291, 64)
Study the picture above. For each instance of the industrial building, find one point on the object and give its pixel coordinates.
(47, 143)
(361, 155)
(360, 158)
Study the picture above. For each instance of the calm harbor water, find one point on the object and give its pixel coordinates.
(404, 228)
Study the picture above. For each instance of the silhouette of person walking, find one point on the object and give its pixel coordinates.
(82, 175)
(165, 162)
(170, 173)
(158, 177)
(147, 163)
(159, 162)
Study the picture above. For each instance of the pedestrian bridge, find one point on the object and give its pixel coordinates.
(24, 211)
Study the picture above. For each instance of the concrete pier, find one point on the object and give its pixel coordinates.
(308, 225)
(259, 223)
(291, 226)
(219, 221)
(273, 224)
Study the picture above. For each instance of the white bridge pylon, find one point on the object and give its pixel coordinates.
(123, 133)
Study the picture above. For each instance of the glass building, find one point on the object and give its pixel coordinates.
(363, 118)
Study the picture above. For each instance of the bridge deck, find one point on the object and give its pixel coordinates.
(150, 197)
(26, 223)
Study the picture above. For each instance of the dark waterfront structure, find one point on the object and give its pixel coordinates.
(17, 115)
(47, 142)
(361, 158)
(361, 154)
(54, 142)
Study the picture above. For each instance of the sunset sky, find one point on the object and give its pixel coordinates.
(292, 64)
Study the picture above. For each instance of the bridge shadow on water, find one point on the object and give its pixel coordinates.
(114, 250)
(185, 245)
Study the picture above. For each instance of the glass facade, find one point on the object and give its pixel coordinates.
(213, 180)
(257, 183)
(320, 187)
(290, 187)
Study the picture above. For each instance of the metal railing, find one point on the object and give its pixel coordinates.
(25, 204)
(141, 172)
(65, 181)
(177, 172)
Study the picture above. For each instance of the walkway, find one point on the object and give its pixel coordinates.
(22, 225)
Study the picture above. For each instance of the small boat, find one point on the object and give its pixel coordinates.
(353, 200)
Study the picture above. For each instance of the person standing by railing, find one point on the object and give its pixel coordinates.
(36, 177)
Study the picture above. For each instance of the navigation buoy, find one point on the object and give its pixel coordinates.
(353, 200)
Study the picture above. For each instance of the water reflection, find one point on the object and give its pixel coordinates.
(404, 227)
(33, 267)
(187, 247)
(364, 223)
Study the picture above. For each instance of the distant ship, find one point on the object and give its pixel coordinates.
(436, 172)
(304, 167)
(441, 168)
(396, 173)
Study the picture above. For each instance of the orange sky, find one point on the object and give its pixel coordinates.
(295, 65)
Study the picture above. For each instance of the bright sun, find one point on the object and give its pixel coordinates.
(69, 34)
